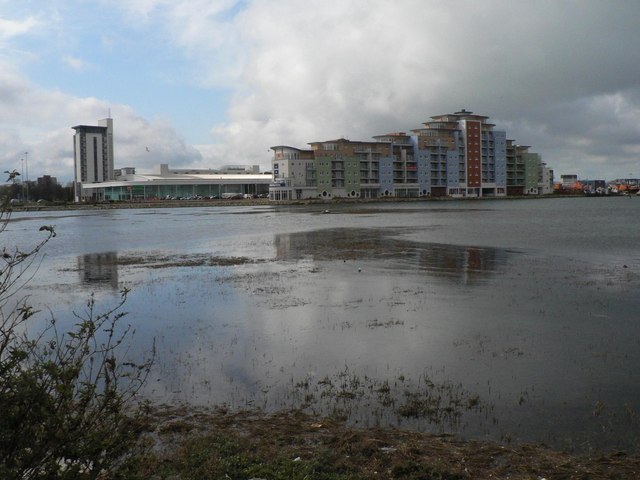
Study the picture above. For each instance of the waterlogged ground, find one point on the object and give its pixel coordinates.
(500, 320)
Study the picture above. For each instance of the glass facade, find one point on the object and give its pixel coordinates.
(181, 191)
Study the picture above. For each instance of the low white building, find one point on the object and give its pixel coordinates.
(170, 183)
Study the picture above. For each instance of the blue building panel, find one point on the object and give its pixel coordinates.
(453, 171)
(385, 166)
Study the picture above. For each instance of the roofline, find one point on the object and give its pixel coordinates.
(292, 148)
(341, 140)
(226, 179)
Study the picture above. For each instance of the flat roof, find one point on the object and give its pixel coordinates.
(202, 179)
(90, 128)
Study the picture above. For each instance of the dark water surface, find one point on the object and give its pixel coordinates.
(510, 320)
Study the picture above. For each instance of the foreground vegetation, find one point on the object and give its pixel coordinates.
(67, 397)
(185, 444)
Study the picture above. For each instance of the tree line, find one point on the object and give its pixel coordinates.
(47, 189)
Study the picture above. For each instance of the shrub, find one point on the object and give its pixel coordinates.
(67, 399)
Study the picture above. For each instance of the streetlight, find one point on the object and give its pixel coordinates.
(26, 162)
(22, 177)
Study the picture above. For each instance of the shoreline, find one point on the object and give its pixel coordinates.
(261, 202)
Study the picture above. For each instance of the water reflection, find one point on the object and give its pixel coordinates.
(463, 264)
(99, 269)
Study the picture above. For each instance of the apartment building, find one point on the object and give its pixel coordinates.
(457, 155)
(515, 168)
(546, 180)
(467, 158)
(294, 174)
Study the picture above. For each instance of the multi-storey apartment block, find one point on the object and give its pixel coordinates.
(294, 174)
(458, 155)
(467, 157)
(515, 168)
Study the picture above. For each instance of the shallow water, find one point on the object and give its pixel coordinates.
(511, 320)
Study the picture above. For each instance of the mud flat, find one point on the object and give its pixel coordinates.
(191, 443)
(252, 201)
(497, 321)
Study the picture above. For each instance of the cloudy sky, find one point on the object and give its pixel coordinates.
(211, 82)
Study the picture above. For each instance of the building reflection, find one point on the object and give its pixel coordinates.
(463, 264)
(99, 268)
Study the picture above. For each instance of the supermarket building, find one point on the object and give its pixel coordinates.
(171, 183)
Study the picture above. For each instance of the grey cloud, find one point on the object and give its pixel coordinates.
(560, 76)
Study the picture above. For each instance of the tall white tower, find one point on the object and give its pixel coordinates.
(93, 154)
(108, 122)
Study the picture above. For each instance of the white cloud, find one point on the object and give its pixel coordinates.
(76, 64)
(134, 135)
(39, 122)
(12, 28)
(205, 30)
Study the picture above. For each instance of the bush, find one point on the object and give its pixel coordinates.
(67, 399)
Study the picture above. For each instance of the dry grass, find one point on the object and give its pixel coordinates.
(198, 444)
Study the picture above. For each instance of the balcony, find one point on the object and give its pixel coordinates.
(281, 182)
(367, 150)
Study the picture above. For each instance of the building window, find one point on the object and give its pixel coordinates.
(95, 158)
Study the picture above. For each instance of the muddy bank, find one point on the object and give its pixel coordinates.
(188, 443)
(249, 202)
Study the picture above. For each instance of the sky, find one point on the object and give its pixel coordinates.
(206, 83)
